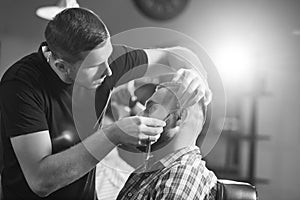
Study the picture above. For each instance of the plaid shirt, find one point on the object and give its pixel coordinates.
(180, 175)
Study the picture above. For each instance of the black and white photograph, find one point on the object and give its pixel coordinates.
(149, 99)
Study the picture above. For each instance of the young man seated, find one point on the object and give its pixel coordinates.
(176, 169)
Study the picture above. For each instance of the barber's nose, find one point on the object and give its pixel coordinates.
(108, 71)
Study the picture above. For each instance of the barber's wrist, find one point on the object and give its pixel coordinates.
(112, 133)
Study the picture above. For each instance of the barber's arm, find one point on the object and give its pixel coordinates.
(46, 172)
(176, 58)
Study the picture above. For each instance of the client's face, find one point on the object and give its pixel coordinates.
(163, 105)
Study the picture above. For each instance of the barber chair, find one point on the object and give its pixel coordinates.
(234, 190)
(1, 160)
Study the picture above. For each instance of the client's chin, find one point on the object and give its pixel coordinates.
(166, 136)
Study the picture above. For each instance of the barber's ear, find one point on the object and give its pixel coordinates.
(61, 65)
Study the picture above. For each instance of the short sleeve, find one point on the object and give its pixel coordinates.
(22, 109)
(126, 64)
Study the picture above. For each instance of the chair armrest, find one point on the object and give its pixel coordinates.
(234, 190)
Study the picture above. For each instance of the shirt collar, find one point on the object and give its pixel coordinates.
(171, 158)
(168, 159)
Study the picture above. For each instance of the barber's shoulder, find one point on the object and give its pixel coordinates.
(120, 50)
(25, 69)
(20, 81)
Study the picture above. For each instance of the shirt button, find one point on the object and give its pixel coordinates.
(129, 194)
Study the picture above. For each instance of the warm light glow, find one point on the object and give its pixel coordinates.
(234, 61)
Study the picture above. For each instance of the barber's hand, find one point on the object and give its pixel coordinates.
(192, 87)
(135, 130)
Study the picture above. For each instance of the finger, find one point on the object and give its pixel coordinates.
(186, 80)
(207, 96)
(178, 75)
(140, 106)
(183, 94)
(194, 93)
(154, 138)
(152, 122)
(178, 91)
(144, 139)
(195, 85)
(194, 100)
(131, 88)
(150, 131)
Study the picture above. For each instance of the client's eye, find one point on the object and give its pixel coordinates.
(149, 104)
(152, 106)
(146, 111)
(152, 109)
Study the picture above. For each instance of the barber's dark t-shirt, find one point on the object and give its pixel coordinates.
(33, 98)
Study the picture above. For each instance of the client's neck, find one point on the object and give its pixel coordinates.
(184, 138)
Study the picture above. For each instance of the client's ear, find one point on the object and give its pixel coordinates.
(183, 115)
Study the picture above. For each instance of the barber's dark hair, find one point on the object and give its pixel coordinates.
(73, 31)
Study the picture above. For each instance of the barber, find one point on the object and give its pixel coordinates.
(36, 107)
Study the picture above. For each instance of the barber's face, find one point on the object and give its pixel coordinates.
(94, 68)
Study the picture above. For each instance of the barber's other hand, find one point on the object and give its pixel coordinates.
(135, 130)
(192, 87)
